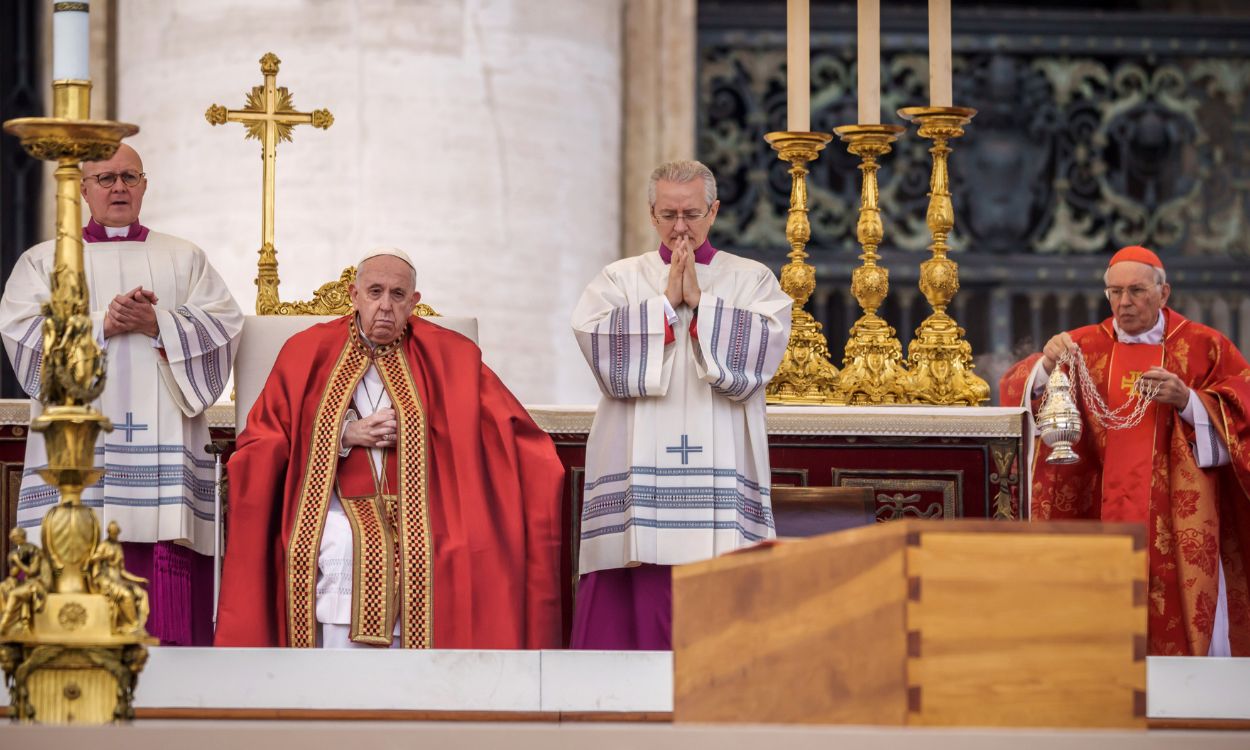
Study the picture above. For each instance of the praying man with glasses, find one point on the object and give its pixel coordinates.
(169, 327)
(1183, 470)
(682, 342)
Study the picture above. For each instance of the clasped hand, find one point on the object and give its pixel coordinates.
(374, 431)
(683, 283)
(132, 311)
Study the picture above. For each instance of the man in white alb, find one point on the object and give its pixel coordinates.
(682, 342)
(169, 327)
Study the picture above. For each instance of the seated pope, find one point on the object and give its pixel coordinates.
(389, 491)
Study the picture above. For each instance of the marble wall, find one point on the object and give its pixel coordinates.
(482, 136)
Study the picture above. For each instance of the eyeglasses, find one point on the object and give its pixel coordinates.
(690, 217)
(107, 179)
(1135, 293)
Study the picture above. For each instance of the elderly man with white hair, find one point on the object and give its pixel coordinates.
(389, 490)
(1178, 464)
(682, 341)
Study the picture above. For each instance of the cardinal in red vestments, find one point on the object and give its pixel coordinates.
(1183, 470)
(389, 490)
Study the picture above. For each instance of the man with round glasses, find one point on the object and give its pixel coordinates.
(1183, 470)
(682, 341)
(169, 327)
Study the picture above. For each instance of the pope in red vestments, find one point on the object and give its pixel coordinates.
(452, 495)
(1184, 470)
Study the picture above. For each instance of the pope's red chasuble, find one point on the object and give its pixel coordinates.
(456, 540)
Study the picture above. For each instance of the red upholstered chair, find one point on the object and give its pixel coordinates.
(810, 511)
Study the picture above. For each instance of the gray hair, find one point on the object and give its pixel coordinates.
(1161, 276)
(682, 172)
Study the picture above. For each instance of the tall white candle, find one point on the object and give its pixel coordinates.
(71, 41)
(798, 61)
(869, 60)
(940, 53)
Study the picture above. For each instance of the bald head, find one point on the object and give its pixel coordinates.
(116, 204)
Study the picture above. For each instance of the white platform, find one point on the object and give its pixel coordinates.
(439, 680)
(537, 681)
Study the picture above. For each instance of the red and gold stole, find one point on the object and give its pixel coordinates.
(1127, 465)
(371, 504)
(393, 566)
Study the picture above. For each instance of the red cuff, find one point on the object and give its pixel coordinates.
(161, 351)
(669, 337)
(694, 326)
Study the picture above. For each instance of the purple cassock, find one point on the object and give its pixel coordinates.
(625, 609)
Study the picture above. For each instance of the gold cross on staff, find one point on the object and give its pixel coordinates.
(269, 117)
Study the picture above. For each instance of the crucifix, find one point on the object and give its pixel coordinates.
(269, 117)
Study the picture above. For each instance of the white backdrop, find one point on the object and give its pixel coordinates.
(482, 136)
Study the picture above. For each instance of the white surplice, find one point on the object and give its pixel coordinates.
(158, 481)
(677, 459)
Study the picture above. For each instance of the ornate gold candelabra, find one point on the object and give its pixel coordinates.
(940, 358)
(873, 371)
(805, 376)
(71, 618)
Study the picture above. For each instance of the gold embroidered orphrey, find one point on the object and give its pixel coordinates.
(381, 535)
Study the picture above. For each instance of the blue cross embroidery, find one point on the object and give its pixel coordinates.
(129, 427)
(685, 449)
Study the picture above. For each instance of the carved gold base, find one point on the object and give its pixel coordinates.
(873, 371)
(63, 684)
(806, 374)
(940, 361)
(70, 667)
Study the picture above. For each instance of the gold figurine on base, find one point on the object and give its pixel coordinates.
(873, 371)
(71, 641)
(940, 358)
(805, 376)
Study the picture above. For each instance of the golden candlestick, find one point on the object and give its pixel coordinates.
(71, 618)
(940, 358)
(873, 371)
(806, 376)
(269, 117)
